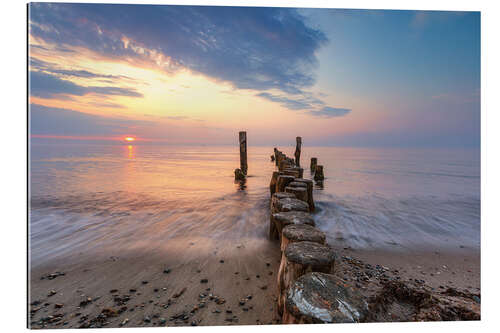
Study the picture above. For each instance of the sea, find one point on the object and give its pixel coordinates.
(102, 198)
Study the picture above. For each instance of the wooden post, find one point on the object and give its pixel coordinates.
(243, 152)
(297, 151)
(318, 175)
(314, 162)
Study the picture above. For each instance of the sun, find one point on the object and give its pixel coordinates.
(129, 139)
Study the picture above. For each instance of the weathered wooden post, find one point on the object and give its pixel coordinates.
(298, 147)
(314, 162)
(243, 152)
(318, 175)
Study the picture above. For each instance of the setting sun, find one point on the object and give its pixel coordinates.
(129, 138)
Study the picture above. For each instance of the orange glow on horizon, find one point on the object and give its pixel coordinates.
(129, 138)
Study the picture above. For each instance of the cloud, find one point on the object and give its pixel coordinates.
(52, 68)
(293, 103)
(63, 122)
(329, 112)
(251, 48)
(307, 102)
(262, 49)
(48, 86)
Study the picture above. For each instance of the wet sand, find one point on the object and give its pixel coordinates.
(189, 284)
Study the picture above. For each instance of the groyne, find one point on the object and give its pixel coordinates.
(310, 288)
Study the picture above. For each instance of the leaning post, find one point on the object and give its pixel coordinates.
(243, 152)
(297, 151)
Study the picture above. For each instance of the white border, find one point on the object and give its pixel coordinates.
(13, 161)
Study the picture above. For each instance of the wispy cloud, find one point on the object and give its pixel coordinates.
(306, 102)
(40, 65)
(329, 112)
(64, 122)
(301, 102)
(49, 86)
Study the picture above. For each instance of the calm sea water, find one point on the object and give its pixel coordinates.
(98, 198)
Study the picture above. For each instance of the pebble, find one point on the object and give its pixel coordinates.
(124, 322)
(167, 270)
(204, 281)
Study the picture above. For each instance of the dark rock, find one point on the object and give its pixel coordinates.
(204, 281)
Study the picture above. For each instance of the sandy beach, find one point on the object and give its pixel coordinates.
(190, 285)
(212, 285)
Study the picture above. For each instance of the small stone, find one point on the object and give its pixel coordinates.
(204, 281)
(58, 305)
(144, 282)
(167, 270)
(147, 319)
(221, 261)
(124, 322)
(52, 293)
(263, 287)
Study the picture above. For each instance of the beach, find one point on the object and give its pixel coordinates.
(171, 239)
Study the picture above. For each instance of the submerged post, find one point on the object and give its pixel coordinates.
(243, 152)
(297, 151)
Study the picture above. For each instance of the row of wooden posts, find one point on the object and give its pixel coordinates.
(308, 292)
(241, 172)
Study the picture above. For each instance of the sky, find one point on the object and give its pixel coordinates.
(198, 75)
